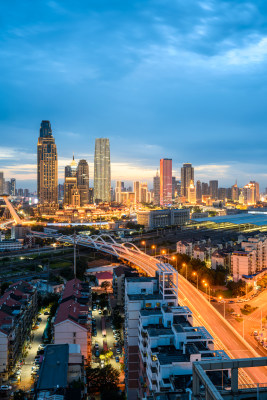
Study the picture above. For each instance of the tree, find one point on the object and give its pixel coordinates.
(102, 379)
(19, 395)
(105, 285)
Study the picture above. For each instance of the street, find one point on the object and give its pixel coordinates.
(26, 381)
(109, 339)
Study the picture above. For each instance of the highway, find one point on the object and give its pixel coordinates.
(225, 336)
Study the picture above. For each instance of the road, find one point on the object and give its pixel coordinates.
(26, 381)
(224, 334)
(219, 328)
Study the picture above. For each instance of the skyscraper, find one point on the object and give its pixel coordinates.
(214, 190)
(102, 170)
(13, 186)
(165, 181)
(187, 175)
(156, 189)
(2, 183)
(198, 191)
(136, 186)
(235, 192)
(83, 181)
(47, 170)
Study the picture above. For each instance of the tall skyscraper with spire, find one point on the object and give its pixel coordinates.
(102, 170)
(47, 170)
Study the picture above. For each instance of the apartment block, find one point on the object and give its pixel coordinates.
(118, 283)
(73, 318)
(259, 244)
(243, 263)
(161, 342)
(62, 364)
(18, 307)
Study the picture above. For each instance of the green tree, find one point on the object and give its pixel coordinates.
(19, 395)
(102, 379)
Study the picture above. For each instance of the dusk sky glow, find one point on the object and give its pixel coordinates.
(176, 79)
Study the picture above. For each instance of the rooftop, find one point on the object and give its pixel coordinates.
(54, 368)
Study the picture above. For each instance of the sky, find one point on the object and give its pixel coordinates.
(176, 79)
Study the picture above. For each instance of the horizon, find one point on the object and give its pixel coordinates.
(159, 79)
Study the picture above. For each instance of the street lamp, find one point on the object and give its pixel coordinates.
(195, 274)
(153, 247)
(207, 286)
(143, 243)
(220, 298)
(185, 265)
(174, 258)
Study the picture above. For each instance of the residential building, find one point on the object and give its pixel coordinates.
(136, 186)
(118, 192)
(165, 181)
(47, 170)
(214, 189)
(62, 364)
(221, 258)
(118, 283)
(18, 308)
(187, 175)
(143, 193)
(184, 247)
(161, 218)
(102, 170)
(161, 342)
(243, 263)
(73, 318)
(235, 193)
(251, 193)
(259, 244)
(83, 182)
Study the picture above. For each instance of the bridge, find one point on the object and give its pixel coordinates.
(11, 209)
(225, 336)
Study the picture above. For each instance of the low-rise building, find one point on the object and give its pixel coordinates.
(73, 318)
(243, 263)
(184, 247)
(118, 283)
(62, 365)
(18, 308)
(161, 218)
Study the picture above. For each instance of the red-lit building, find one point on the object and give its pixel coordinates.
(165, 181)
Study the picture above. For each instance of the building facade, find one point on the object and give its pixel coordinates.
(165, 181)
(83, 182)
(161, 218)
(47, 170)
(102, 170)
(187, 175)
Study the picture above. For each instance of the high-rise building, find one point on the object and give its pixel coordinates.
(257, 190)
(137, 186)
(192, 193)
(214, 190)
(187, 175)
(2, 183)
(118, 192)
(102, 170)
(222, 193)
(13, 186)
(47, 170)
(7, 187)
(174, 187)
(83, 181)
(235, 192)
(165, 181)
(60, 192)
(198, 191)
(251, 193)
(26, 193)
(156, 189)
(144, 193)
(71, 192)
(205, 189)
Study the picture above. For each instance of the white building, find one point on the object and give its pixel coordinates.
(259, 244)
(243, 263)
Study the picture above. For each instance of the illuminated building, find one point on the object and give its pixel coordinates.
(143, 193)
(71, 192)
(156, 189)
(214, 190)
(118, 192)
(243, 263)
(235, 193)
(83, 181)
(161, 218)
(136, 186)
(47, 170)
(165, 181)
(187, 175)
(251, 193)
(102, 170)
(205, 189)
(192, 193)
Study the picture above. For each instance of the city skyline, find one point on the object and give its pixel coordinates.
(203, 104)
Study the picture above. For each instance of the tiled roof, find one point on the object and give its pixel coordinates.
(71, 310)
(104, 275)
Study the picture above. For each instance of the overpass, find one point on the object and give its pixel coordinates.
(225, 336)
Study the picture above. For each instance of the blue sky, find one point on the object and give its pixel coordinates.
(180, 79)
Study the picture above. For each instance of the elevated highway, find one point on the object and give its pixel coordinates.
(225, 336)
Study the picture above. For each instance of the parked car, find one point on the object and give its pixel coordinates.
(6, 387)
(97, 353)
(117, 359)
(46, 313)
(99, 311)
